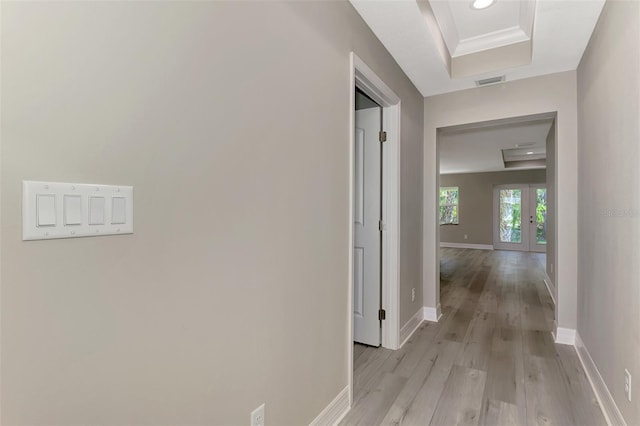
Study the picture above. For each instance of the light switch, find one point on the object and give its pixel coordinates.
(46, 206)
(72, 210)
(52, 210)
(96, 210)
(118, 210)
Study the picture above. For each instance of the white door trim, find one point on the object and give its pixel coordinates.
(366, 80)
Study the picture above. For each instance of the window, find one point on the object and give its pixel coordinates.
(449, 206)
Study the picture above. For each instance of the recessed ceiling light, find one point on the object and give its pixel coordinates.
(529, 152)
(482, 4)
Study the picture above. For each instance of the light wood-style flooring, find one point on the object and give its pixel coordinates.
(490, 360)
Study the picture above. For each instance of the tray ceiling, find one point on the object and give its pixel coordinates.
(446, 45)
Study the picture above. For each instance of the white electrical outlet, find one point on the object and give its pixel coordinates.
(257, 416)
(627, 384)
(413, 294)
(465, 236)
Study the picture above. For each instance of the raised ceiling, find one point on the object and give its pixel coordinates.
(446, 45)
(494, 147)
(480, 41)
(505, 17)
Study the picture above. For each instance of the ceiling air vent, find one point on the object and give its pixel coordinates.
(488, 81)
(524, 145)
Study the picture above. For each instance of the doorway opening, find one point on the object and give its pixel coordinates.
(497, 189)
(381, 112)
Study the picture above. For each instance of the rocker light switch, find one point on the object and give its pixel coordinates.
(118, 210)
(46, 205)
(72, 210)
(96, 210)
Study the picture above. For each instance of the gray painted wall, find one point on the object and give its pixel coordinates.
(476, 203)
(233, 289)
(609, 213)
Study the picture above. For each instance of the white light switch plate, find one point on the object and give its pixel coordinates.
(79, 210)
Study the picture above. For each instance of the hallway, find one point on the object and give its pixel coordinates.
(490, 360)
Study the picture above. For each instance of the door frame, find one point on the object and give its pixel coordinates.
(363, 77)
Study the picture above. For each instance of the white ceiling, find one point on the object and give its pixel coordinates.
(561, 31)
(471, 149)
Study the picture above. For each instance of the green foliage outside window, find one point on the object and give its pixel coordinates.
(541, 215)
(511, 215)
(449, 206)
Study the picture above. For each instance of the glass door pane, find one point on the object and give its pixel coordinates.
(510, 219)
(541, 216)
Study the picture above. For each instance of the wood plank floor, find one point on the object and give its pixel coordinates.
(491, 359)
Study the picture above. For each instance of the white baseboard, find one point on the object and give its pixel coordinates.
(335, 411)
(432, 314)
(467, 246)
(411, 326)
(550, 287)
(565, 336)
(611, 411)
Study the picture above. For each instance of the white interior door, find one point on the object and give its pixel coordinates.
(519, 217)
(367, 237)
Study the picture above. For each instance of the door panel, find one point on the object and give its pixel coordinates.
(358, 202)
(510, 206)
(538, 218)
(367, 239)
(358, 282)
(510, 217)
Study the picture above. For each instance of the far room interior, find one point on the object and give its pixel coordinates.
(497, 188)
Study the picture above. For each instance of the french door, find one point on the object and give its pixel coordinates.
(520, 217)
